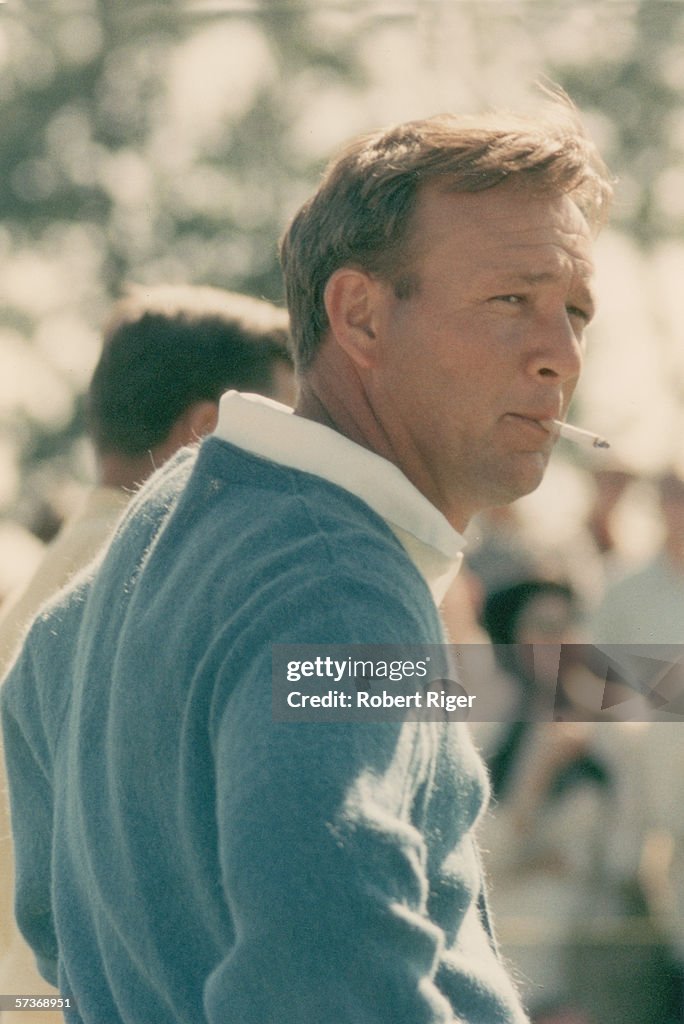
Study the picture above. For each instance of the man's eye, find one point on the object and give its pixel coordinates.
(512, 300)
(580, 314)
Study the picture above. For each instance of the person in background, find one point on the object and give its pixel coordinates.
(498, 552)
(169, 352)
(661, 764)
(596, 552)
(566, 836)
(610, 484)
(552, 1013)
(647, 606)
(645, 612)
(439, 283)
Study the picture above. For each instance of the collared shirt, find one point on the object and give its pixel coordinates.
(268, 429)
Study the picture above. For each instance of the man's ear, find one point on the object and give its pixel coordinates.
(351, 302)
(195, 421)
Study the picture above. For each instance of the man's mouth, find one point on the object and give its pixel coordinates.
(543, 423)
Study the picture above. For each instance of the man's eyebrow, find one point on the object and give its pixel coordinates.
(540, 277)
(584, 290)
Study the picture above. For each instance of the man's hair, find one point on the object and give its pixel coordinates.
(361, 214)
(167, 347)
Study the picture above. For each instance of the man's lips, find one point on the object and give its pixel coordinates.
(542, 422)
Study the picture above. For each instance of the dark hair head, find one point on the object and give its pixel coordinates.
(168, 346)
(361, 214)
(503, 608)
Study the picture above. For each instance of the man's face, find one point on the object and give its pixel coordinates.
(488, 348)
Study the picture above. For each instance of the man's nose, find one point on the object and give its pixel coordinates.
(558, 351)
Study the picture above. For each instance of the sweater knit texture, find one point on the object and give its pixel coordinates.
(183, 858)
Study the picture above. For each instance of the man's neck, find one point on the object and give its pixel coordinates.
(334, 410)
(335, 396)
(125, 472)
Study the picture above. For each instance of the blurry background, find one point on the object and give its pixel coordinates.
(172, 141)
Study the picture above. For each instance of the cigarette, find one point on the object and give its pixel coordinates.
(579, 436)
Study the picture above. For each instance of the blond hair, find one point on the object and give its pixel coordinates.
(361, 213)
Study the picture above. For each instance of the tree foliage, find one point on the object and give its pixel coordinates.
(171, 140)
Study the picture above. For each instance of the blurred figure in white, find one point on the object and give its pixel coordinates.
(647, 606)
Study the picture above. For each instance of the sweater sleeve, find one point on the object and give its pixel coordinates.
(31, 813)
(32, 713)
(323, 870)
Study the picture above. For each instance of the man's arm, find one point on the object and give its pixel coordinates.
(31, 816)
(324, 871)
(31, 718)
(326, 881)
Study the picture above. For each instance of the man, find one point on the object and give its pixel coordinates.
(207, 862)
(169, 353)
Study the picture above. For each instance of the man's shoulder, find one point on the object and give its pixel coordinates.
(36, 686)
(277, 502)
(285, 546)
(225, 539)
(286, 518)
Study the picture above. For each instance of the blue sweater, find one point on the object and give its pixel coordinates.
(183, 858)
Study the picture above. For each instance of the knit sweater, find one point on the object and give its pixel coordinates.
(181, 857)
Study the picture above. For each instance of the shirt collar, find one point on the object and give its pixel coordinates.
(268, 429)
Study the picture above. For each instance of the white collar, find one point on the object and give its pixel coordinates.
(268, 429)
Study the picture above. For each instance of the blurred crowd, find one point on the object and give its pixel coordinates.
(583, 843)
(584, 839)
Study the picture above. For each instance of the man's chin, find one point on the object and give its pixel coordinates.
(496, 484)
(523, 478)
